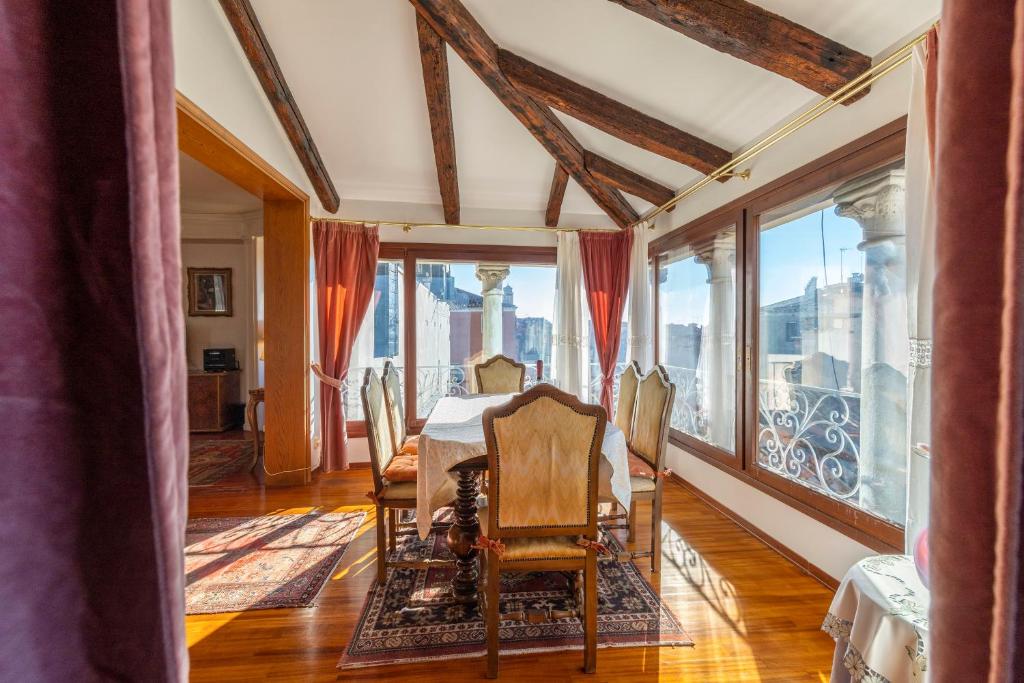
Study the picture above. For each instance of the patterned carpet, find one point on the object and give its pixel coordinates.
(409, 619)
(234, 564)
(213, 460)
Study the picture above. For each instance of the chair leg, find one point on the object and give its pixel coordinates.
(656, 534)
(382, 570)
(392, 528)
(632, 522)
(493, 597)
(590, 614)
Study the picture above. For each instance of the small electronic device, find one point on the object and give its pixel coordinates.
(219, 360)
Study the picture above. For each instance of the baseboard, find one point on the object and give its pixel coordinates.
(802, 563)
(364, 465)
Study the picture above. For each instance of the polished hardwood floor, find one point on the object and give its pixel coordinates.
(752, 614)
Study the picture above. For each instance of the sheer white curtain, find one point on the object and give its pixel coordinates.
(641, 346)
(920, 197)
(569, 332)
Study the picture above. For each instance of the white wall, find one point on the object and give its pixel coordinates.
(211, 70)
(223, 241)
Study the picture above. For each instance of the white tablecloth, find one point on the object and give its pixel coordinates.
(454, 433)
(879, 620)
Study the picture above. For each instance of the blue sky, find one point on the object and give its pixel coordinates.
(790, 256)
(532, 286)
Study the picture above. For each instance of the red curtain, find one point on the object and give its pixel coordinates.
(605, 258)
(346, 265)
(92, 391)
(977, 403)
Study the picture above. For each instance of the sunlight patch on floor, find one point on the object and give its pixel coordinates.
(199, 626)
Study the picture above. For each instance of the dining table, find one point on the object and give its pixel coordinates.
(452, 456)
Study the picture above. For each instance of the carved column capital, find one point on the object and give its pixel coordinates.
(491, 276)
(876, 202)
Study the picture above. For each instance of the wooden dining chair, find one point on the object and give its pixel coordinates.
(500, 375)
(400, 439)
(647, 447)
(629, 380)
(543, 448)
(394, 477)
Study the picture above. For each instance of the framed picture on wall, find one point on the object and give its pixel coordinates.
(209, 291)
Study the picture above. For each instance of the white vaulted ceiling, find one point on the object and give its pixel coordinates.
(354, 70)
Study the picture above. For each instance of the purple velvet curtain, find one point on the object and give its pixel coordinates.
(977, 404)
(92, 362)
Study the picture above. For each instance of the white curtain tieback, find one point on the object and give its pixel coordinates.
(324, 377)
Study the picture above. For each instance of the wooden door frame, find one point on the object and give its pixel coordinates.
(287, 453)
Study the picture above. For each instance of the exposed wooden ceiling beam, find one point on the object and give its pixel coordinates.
(614, 118)
(434, 58)
(254, 43)
(458, 28)
(751, 33)
(628, 181)
(558, 182)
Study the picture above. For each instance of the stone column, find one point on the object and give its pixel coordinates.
(876, 202)
(492, 278)
(719, 344)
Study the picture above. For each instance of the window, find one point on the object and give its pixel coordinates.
(808, 276)
(832, 346)
(467, 312)
(380, 336)
(697, 336)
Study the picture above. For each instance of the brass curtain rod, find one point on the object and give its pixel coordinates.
(898, 58)
(409, 225)
(895, 60)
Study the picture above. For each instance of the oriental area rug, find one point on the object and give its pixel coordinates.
(213, 460)
(234, 564)
(411, 619)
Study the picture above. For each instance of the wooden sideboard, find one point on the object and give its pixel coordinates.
(212, 397)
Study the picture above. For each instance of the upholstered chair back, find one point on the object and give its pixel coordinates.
(394, 403)
(543, 448)
(654, 398)
(629, 380)
(378, 430)
(500, 375)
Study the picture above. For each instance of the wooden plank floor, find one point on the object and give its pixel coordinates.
(752, 614)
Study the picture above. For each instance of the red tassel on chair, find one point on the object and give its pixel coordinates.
(484, 543)
(373, 496)
(596, 546)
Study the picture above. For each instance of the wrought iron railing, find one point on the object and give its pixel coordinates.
(689, 414)
(811, 435)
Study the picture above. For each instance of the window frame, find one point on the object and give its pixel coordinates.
(872, 151)
(409, 253)
(699, 230)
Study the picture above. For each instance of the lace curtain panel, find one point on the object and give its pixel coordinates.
(568, 332)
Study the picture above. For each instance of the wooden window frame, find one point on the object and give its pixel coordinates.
(874, 150)
(412, 252)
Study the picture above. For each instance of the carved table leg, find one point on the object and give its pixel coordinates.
(461, 537)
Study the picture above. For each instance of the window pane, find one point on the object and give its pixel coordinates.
(380, 335)
(833, 345)
(467, 312)
(697, 337)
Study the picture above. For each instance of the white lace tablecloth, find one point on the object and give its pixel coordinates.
(454, 433)
(879, 620)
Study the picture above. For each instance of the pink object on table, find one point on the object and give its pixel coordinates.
(921, 555)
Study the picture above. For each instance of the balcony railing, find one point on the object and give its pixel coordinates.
(811, 435)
